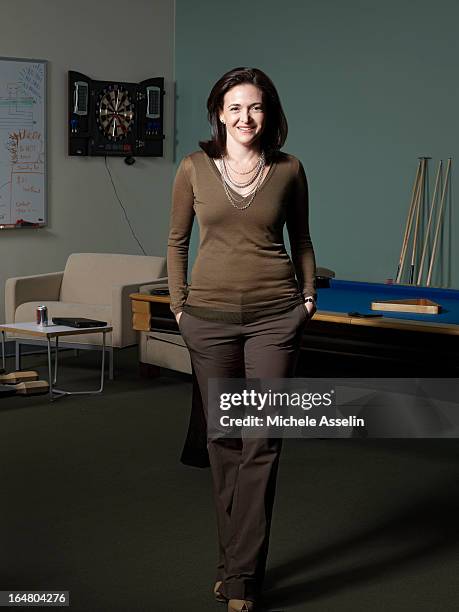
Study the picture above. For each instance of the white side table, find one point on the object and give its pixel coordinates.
(49, 332)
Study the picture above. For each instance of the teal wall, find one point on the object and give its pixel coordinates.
(367, 87)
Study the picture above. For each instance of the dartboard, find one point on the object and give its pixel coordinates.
(115, 112)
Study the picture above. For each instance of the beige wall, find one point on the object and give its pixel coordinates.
(105, 40)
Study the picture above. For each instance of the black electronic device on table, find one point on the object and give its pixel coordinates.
(114, 117)
(78, 322)
(159, 292)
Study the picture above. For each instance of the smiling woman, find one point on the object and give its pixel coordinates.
(244, 313)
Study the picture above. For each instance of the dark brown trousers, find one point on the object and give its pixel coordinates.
(243, 470)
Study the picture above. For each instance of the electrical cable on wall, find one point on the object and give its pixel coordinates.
(122, 206)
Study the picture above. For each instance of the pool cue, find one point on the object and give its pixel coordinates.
(419, 205)
(408, 224)
(429, 223)
(415, 207)
(439, 218)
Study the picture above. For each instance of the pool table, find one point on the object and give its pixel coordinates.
(394, 344)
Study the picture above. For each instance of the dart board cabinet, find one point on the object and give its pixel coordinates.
(114, 117)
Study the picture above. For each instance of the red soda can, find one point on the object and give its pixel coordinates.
(42, 315)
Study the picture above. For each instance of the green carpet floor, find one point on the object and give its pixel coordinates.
(93, 500)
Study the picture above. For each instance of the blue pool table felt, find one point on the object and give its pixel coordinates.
(353, 296)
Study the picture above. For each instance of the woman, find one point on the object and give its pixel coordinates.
(244, 312)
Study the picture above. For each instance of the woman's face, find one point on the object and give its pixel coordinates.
(243, 114)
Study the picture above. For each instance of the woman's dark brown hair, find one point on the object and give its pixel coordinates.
(275, 131)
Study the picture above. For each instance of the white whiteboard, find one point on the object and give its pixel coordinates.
(22, 142)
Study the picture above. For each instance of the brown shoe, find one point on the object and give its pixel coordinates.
(218, 596)
(241, 605)
(31, 387)
(17, 377)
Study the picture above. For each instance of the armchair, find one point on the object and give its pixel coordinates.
(92, 285)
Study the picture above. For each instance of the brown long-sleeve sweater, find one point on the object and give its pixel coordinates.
(242, 270)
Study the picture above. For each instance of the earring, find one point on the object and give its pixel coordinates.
(222, 121)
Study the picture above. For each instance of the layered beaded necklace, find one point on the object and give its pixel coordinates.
(257, 177)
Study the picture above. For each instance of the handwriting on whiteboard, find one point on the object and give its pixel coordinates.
(22, 142)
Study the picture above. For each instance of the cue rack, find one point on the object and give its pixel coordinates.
(424, 225)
